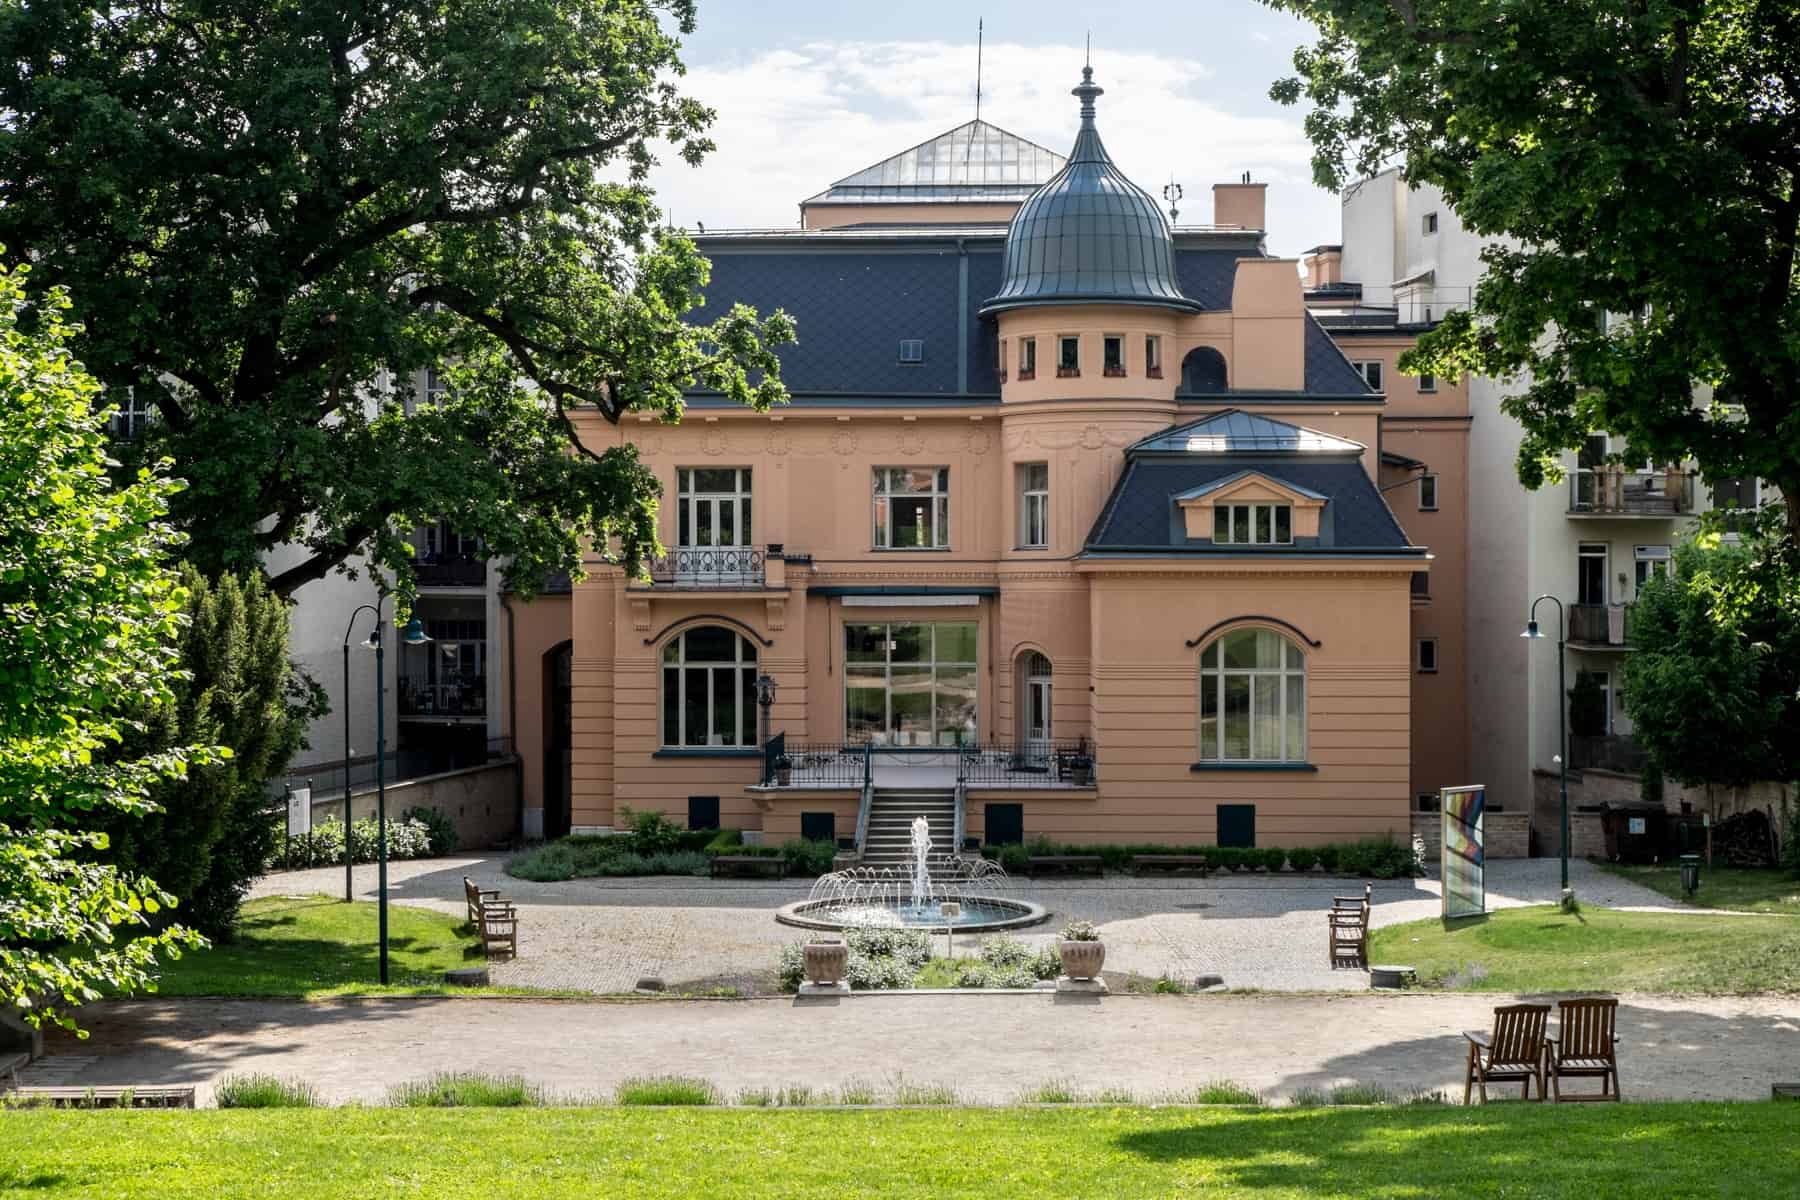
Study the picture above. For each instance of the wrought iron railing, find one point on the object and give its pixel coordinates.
(450, 571)
(788, 763)
(1059, 763)
(463, 696)
(1600, 624)
(1599, 492)
(1606, 752)
(709, 566)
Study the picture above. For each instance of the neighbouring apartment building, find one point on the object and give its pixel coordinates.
(1591, 541)
(1075, 526)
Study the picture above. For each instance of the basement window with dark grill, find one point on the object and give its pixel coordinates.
(912, 350)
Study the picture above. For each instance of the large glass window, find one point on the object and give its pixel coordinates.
(912, 508)
(1253, 698)
(709, 689)
(1253, 524)
(712, 506)
(1034, 505)
(910, 685)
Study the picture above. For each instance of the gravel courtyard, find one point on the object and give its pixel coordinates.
(604, 935)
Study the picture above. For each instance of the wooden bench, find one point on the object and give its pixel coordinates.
(1349, 928)
(1172, 862)
(495, 919)
(474, 897)
(739, 865)
(105, 1097)
(1067, 864)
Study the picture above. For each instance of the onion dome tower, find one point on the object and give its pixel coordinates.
(1089, 235)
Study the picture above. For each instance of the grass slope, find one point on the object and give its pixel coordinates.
(319, 946)
(1597, 949)
(1742, 889)
(1673, 1150)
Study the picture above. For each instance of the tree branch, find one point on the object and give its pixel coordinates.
(322, 562)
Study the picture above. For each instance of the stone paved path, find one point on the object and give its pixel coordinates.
(603, 935)
(990, 1046)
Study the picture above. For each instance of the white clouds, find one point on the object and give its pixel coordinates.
(792, 120)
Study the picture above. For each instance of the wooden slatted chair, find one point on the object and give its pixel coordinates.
(1513, 1053)
(1348, 928)
(1585, 1047)
(499, 929)
(475, 897)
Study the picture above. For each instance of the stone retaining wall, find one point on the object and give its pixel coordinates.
(481, 801)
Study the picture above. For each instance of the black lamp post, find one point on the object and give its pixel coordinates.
(1562, 721)
(413, 635)
(357, 612)
(765, 700)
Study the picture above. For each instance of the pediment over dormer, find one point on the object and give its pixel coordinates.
(1256, 490)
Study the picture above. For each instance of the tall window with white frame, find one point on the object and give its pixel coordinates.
(1370, 370)
(1253, 524)
(1590, 573)
(1252, 698)
(1068, 356)
(1027, 358)
(132, 413)
(709, 688)
(1112, 355)
(1034, 505)
(1153, 356)
(713, 529)
(912, 508)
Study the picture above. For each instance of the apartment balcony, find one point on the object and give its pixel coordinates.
(709, 567)
(437, 570)
(1653, 495)
(1606, 752)
(460, 698)
(1600, 626)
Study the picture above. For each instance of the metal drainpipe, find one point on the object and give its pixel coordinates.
(512, 721)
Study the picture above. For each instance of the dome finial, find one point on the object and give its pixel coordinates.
(1087, 91)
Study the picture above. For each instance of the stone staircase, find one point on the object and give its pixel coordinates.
(891, 815)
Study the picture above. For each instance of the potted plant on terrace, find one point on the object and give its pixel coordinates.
(826, 962)
(1082, 951)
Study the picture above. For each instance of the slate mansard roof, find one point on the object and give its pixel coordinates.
(857, 292)
(1143, 516)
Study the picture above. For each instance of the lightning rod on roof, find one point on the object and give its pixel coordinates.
(969, 147)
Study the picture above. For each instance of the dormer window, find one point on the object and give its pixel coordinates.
(1027, 359)
(1112, 355)
(1253, 525)
(1068, 356)
(1153, 356)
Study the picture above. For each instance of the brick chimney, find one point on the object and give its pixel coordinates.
(1242, 204)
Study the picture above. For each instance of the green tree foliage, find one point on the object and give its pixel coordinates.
(1637, 160)
(213, 835)
(1587, 706)
(1713, 687)
(292, 209)
(89, 616)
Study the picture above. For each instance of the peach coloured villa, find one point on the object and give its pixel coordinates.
(1072, 527)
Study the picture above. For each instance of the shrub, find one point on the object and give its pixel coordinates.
(652, 833)
(458, 1089)
(663, 1090)
(1303, 858)
(1228, 858)
(1328, 857)
(1373, 856)
(726, 841)
(1080, 931)
(1015, 859)
(324, 846)
(910, 946)
(1273, 858)
(547, 864)
(1003, 951)
(264, 1091)
(808, 857)
(440, 830)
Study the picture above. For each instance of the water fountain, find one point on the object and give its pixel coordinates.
(915, 896)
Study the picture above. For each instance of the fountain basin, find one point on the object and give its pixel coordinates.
(980, 914)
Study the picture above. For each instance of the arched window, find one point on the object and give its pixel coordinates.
(1203, 372)
(1034, 703)
(709, 689)
(1252, 698)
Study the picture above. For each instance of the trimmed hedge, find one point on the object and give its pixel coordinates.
(1369, 857)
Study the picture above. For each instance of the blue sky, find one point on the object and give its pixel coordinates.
(809, 92)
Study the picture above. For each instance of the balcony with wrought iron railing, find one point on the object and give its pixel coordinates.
(1604, 492)
(450, 570)
(459, 696)
(709, 567)
(1034, 765)
(1600, 626)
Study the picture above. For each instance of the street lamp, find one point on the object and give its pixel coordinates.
(765, 700)
(359, 611)
(1562, 724)
(413, 635)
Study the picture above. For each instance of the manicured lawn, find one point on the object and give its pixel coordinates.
(1740, 888)
(319, 946)
(1598, 949)
(1673, 1150)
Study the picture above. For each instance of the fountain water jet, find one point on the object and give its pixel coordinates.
(913, 896)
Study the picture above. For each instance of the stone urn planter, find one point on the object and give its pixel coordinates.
(1082, 960)
(825, 962)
